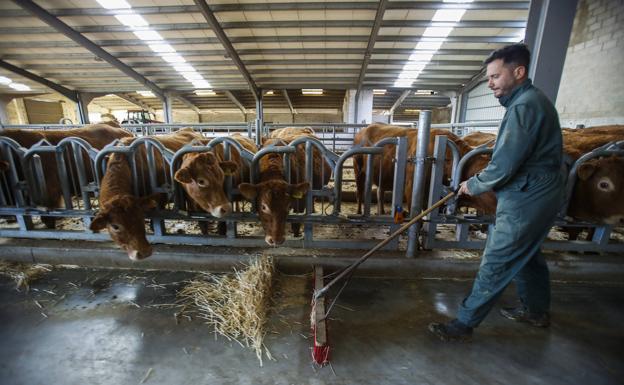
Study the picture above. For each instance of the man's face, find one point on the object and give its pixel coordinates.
(503, 78)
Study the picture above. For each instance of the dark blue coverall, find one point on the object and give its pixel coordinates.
(525, 175)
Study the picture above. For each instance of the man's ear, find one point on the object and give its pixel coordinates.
(586, 170)
(248, 190)
(99, 222)
(519, 72)
(297, 191)
(149, 202)
(183, 175)
(228, 167)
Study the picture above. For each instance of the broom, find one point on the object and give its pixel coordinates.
(318, 316)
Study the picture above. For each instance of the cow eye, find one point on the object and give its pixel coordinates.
(202, 182)
(115, 227)
(605, 185)
(265, 208)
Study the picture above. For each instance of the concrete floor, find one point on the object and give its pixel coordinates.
(100, 329)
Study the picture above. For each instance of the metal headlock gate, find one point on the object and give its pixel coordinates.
(76, 169)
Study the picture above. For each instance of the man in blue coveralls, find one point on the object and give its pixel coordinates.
(525, 175)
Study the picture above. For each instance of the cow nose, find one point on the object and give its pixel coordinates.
(274, 241)
(269, 239)
(221, 211)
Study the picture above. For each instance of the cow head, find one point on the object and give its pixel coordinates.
(273, 198)
(124, 217)
(202, 176)
(600, 186)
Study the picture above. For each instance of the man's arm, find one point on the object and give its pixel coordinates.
(513, 147)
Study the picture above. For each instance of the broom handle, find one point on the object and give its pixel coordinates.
(381, 244)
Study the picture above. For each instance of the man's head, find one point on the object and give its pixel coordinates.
(507, 67)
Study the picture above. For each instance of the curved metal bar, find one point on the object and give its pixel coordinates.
(329, 155)
(338, 171)
(455, 152)
(462, 163)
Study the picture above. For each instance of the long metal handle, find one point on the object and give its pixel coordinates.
(381, 244)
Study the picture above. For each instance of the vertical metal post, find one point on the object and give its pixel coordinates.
(259, 119)
(398, 187)
(435, 188)
(167, 108)
(82, 107)
(418, 184)
(309, 176)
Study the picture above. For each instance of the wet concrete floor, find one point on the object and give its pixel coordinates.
(86, 326)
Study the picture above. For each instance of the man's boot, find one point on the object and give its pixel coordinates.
(522, 314)
(452, 331)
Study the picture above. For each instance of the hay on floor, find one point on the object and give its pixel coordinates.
(236, 305)
(23, 274)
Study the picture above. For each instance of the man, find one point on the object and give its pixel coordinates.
(525, 175)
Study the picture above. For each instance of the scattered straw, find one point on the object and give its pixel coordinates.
(23, 274)
(235, 304)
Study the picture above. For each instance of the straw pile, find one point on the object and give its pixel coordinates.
(23, 274)
(236, 305)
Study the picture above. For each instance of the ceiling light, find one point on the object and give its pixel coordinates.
(411, 111)
(148, 34)
(414, 66)
(114, 4)
(201, 84)
(421, 56)
(146, 94)
(191, 76)
(162, 48)
(19, 86)
(424, 92)
(437, 31)
(457, 1)
(312, 91)
(205, 93)
(379, 92)
(403, 83)
(409, 74)
(4, 80)
(269, 93)
(173, 58)
(132, 20)
(521, 33)
(184, 68)
(448, 15)
(429, 45)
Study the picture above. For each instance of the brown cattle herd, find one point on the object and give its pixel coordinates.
(596, 196)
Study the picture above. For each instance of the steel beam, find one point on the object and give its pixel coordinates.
(135, 101)
(290, 105)
(238, 104)
(69, 94)
(399, 101)
(381, 9)
(225, 41)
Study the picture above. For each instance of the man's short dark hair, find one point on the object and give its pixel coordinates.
(517, 54)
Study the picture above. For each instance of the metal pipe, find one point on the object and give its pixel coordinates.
(418, 184)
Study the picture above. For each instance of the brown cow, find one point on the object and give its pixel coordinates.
(477, 138)
(376, 132)
(121, 211)
(97, 135)
(202, 176)
(273, 195)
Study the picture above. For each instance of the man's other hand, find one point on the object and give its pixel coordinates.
(463, 188)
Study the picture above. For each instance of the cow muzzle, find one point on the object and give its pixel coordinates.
(221, 211)
(274, 241)
(137, 255)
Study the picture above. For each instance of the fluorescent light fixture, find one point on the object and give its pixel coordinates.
(403, 83)
(191, 76)
(414, 66)
(409, 74)
(146, 94)
(422, 56)
(269, 93)
(312, 91)
(162, 48)
(521, 33)
(4, 80)
(201, 84)
(411, 111)
(448, 15)
(114, 4)
(19, 86)
(379, 92)
(184, 68)
(424, 92)
(148, 35)
(205, 93)
(457, 1)
(173, 58)
(132, 20)
(437, 31)
(429, 45)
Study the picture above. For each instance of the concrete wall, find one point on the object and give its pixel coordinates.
(283, 118)
(592, 86)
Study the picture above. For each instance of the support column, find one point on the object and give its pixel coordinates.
(167, 108)
(82, 106)
(259, 118)
(453, 95)
(20, 110)
(547, 34)
(363, 107)
(4, 114)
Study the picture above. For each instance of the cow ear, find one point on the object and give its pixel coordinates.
(149, 202)
(229, 167)
(298, 190)
(99, 222)
(585, 170)
(183, 175)
(248, 190)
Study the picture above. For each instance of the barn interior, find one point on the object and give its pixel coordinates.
(76, 309)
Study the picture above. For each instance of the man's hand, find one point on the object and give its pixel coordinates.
(463, 188)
